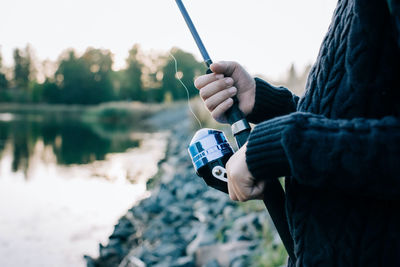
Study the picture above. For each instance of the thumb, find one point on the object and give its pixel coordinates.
(224, 67)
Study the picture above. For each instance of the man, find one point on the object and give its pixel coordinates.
(338, 145)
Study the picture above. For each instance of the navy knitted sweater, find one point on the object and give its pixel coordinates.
(339, 145)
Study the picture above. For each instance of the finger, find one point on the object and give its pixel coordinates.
(214, 87)
(258, 190)
(218, 98)
(225, 67)
(203, 80)
(239, 188)
(238, 191)
(219, 111)
(231, 190)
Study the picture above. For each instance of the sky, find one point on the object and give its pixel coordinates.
(266, 36)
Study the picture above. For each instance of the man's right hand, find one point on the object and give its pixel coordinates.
(227, 80)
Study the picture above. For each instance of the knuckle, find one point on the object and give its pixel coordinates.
(228, 103)
(208, 105)
(215, 114)
(228, 93)
(221, 84)
(202, 94)
(234, 65)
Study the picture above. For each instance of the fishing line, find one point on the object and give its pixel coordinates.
(187, 90)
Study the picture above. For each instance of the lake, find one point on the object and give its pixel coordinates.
(65, 182)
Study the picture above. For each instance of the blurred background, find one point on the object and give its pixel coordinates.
(80, 82)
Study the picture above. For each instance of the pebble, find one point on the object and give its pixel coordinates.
(182, 221)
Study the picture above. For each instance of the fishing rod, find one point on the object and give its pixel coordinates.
(210, 151)
(240, 127)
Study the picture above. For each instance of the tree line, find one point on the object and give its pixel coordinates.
(89, 79)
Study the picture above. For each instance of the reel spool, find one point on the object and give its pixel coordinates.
(210, 151)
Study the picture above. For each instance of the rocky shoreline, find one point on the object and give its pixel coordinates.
(185, 223)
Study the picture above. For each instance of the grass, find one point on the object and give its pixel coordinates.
(113, 112)
(203, 115)
(120, 112)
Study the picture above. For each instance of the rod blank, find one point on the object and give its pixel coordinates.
(194, 32)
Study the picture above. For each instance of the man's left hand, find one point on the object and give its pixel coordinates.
(242, 186)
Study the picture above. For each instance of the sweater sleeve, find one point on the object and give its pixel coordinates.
(360, 156)
(394, 9)
(271, 101)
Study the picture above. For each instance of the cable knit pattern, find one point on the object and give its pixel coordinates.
(340, 146)
(266, 143)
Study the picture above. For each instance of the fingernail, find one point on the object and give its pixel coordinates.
(232, 90)
(219, 76)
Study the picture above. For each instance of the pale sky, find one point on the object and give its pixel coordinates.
(266, 36)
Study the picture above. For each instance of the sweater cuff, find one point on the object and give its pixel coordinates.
(270, 102)
(265, 155)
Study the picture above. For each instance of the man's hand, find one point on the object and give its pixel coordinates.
(227, 80)
(242, 186)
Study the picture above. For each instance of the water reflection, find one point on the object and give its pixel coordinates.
(72, 141)
(64, 183)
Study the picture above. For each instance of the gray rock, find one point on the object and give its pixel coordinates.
(187, 261)
(122, 233)
(239, 262)
(89, 261)
(165, 250)
(172, 214)
(180, 224)
(203, 238)
(132, 261)
(187, 232)
(223, 253)
(106, 252)
(212, 263)
(190, 191)
(163, 263)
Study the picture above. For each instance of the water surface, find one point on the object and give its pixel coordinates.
(64, 183)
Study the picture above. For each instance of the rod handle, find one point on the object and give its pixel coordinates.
(240, 127)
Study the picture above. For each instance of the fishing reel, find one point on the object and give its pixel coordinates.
(210, 151)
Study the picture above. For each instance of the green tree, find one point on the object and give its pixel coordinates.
(85, 80)
(51, 93)
(24, 69)
(21, 69)
(71, 78)
(100, 87)
(3, 78)
(188, 69)
(131, 78)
